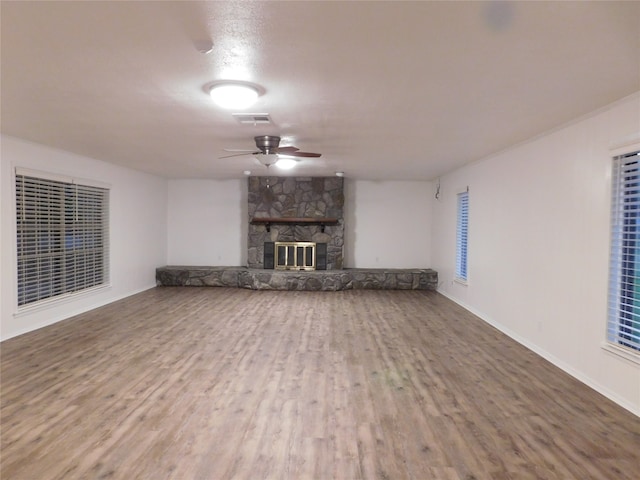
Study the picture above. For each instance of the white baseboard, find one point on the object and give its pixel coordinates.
(590, 382)
(73, 313)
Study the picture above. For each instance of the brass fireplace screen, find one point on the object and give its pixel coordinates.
(295, 256)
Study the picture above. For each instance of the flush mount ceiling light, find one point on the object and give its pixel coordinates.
(233, 95)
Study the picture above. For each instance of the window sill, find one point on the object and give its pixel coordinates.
(621, 352)
(461, 281)
(58, 300)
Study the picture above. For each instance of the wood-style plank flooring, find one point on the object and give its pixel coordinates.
(216, 383)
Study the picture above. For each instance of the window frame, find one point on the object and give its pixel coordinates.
(79, 220)
(461, 271)
(624, 257)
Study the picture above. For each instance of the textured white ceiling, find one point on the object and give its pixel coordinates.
(384, 90)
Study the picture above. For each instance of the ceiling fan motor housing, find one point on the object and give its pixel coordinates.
(267, 143)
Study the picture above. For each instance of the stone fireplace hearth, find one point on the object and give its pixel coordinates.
(319, 280)
(311, 209)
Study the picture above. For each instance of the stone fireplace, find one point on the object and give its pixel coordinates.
(293, 213)
(296, 209)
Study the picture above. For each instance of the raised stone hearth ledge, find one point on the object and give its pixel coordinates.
(325, 280)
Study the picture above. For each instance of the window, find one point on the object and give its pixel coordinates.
(62, 236)
(462, 228)
(623, 327)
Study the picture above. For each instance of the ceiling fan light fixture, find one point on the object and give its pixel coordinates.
(286, 163)
(266, 159)
(233, 95)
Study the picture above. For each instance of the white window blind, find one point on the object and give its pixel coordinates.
(62, 237)
(623, 326)
(462, 228)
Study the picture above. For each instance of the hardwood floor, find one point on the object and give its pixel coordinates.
(217, 383)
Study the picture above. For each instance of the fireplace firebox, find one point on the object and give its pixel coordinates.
(295, 255)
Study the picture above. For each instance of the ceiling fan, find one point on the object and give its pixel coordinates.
(269, 150)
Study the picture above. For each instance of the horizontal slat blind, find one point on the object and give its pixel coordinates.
(623, 326)
(62, 237)
(462, 229)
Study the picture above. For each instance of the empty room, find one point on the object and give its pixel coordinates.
(320, 240)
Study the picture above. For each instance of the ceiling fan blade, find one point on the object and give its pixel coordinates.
(306, 154)
(240, 154)
(285, 149)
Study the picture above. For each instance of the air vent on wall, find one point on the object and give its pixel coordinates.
(252, 118)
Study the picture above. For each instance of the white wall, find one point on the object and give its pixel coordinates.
(207, 222)
(539, 245)
(138, 230)
(388, 224)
